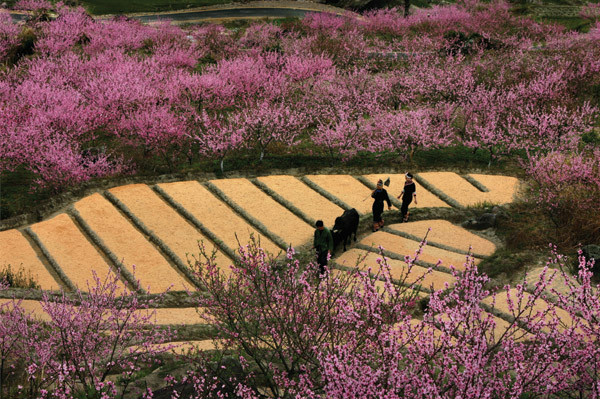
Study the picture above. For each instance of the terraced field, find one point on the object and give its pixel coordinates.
(148, 232)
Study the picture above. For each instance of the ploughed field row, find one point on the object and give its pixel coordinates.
(152, 233)
(148, 234)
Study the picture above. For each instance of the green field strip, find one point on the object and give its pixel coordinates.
(153, 237)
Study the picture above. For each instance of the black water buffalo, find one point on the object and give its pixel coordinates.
(344, 226)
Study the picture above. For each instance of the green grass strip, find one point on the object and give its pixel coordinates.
(441, 195)
(253, 221)
(152, 237)
(478, 185)
(197, 223)
(324, 193)
(66, 281)
(391, 230)
(285, 203)
(93, 237)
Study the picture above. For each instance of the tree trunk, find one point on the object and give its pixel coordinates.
(222, 160)
(406, 7)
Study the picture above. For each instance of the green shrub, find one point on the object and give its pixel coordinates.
(18, 279)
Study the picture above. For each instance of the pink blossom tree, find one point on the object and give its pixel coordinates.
(87, 337)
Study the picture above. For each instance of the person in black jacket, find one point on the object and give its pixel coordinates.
(380, 195)
(323, 243)
(407, 194)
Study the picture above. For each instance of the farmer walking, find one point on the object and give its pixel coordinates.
(407, 194)
(323, 243)
(379, 195)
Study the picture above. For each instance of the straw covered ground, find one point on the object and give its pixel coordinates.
(304, 198)
(155, 229)
(404, 247)
(179, 235)
(16, 252)
(448, 234)
(398, 269)
(425, 199)
(128, 244)
(347, 189)
(501, 188)
(273, 215)
(213, 213)
(76, 256)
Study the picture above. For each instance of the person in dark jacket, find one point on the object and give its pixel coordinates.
(407, 194)
(323, 243)
(380, 195)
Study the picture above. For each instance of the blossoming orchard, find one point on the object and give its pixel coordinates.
(160, 187)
